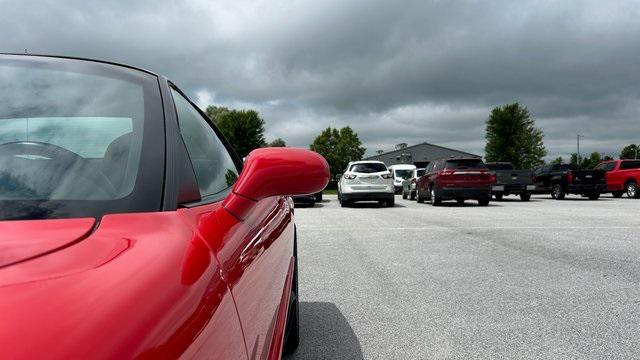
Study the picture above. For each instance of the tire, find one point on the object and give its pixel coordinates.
(632, 190)
(617, 194)
(460, 201)
(412, 195)
(404, 194)
(292, 329)
(435, 200)
(525, 196)
(319, 197)
(344, 203)
(391, 202)
(498, 196)
(557, 192)
(483, 202)
(419, 198)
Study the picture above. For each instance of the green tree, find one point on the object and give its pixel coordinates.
(214, 111)
(630, 151)
(277, 143)
(512, 136)
(243, 128)
(591, 161)
(339, 147)
(574, 158)
(586, 162)
(558, 160)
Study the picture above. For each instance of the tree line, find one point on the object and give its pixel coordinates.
(511, 136)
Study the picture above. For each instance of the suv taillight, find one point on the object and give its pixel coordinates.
(493, 178)
(387, 176)
(569, 176)
(350, 176)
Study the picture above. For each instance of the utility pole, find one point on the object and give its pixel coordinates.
(578, 136)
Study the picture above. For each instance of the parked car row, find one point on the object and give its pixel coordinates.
(462, 179)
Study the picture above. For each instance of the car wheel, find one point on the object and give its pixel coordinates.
(632, 190)
(344, 203)
(594, 196)
(419, 198)
(557, 192)
(412, 195)
(319, 197)
(460, 201)
(404, 194)
(525, 196)
(435, 200)
(498, 196)
(483, 202)
(391, 202)
(617, 194)
(292, 329)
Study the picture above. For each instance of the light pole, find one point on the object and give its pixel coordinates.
(578, 136)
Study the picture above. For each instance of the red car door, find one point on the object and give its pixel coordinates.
(255, 252)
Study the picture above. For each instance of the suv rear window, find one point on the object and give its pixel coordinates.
(465, 164)
(368, 168)
(404, 173)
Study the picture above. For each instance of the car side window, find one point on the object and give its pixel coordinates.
(626, 165)
(213, 165)
(610, 166)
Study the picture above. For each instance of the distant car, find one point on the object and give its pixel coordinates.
(309, 199)
(623, 176)
(510, 181)
(366, 181)
(561, 179)
(129, 227)
(409, 184)
(455, 179)
(401, 172)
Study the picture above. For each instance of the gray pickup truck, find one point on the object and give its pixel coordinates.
(510, 181)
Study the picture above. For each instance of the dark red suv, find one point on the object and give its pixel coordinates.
(457, 179)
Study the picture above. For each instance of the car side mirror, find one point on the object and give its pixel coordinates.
(276, 171)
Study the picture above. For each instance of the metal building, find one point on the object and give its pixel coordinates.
(419, 155)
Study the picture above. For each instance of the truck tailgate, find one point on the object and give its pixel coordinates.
(512, 177)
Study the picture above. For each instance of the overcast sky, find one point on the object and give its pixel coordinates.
(395, 71)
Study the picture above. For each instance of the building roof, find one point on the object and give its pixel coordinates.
(423, 152)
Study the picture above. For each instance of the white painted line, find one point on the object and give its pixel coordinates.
(469, 228)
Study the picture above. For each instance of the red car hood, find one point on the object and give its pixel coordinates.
(25, 239)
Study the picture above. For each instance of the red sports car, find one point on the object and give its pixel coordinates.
(129, 228)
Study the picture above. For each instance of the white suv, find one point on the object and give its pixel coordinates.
(366, 181)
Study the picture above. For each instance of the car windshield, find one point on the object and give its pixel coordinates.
(404, 173)
(368, 168)
(66, 137)
(499, 166)
(465, 164)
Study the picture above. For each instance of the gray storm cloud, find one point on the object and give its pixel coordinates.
(402, 71)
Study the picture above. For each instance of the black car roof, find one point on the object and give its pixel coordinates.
(82, 59)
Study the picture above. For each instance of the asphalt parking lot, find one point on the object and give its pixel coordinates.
(514, 280)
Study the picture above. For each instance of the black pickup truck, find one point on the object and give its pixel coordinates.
(561, 179)
(510, 181)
